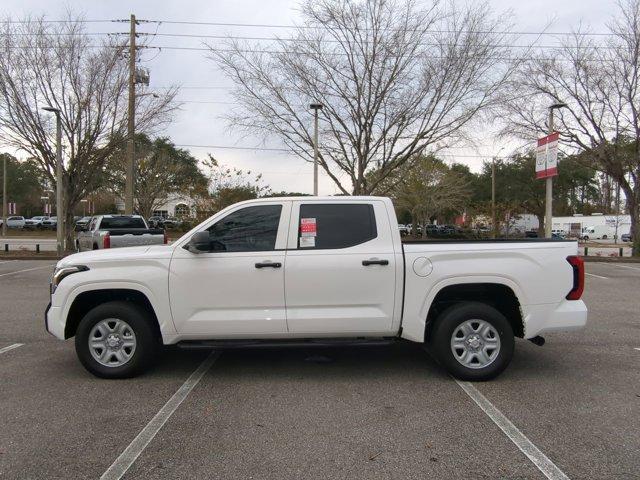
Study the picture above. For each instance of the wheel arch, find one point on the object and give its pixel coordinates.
(87, 300)
(496, 294)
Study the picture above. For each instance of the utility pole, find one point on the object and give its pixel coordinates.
(4, 196)
(315, 107)
(494, 226)
(548, 205)
(59, 199)
(128, 189)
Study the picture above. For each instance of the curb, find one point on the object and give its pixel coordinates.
(611, 259)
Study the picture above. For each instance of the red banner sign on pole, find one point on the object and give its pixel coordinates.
(547, 156)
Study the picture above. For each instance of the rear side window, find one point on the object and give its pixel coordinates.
(250, 229)
(122, 222)
(335, 225)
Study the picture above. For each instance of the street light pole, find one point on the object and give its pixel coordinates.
(494, 226)
(4, 197)
(131, 146)
(315, 107)
(59, 191)
(548, 205)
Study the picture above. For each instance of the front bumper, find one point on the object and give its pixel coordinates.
(53, 321)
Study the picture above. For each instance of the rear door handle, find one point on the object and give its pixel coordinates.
(372, 261)
(268, 265)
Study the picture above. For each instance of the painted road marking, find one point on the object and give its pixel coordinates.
(627, 266)
(636, 348)
(11, 347)
(135, 448)
(597, 276)
(539, 459)
(7, 261)
(26, 270)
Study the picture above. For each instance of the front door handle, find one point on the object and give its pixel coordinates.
(373, 261)
(268, 265)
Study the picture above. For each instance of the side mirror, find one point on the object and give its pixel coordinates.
(199, 242)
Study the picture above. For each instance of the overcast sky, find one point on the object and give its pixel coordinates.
(199, 123)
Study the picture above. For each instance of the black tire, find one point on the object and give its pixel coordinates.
(445, 326)
(604, 237)
(140, 322)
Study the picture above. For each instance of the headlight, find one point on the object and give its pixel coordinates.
(60, 273)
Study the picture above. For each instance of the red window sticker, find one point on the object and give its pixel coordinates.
(308, 227)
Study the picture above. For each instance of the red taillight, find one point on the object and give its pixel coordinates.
(106, 241)
(166, 239)
(578, 277)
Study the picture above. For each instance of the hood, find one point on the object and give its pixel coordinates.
(117, 254)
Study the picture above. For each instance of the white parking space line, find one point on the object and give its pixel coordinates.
(626, 266)
(11, 347)
(26, 270)
(597, 276)
(636, 348)
(136, 447)
(539, 459)
(7, 261)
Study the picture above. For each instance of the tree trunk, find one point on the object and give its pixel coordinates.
(540, 225)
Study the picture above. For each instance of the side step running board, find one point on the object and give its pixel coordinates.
(312, 342)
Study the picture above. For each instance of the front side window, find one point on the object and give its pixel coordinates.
(335, 225)
(250, 229)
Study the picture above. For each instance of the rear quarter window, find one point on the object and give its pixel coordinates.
(335, 225)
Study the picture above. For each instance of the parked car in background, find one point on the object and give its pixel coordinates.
(531, 234)
(50, 223)
(115, 231)
(34, 223)
(14, 222)
(83, 222)
(403, 229)
(156, 221)
(171, 222)
(626, 237)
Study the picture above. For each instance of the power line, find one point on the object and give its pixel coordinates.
(311, 27)
(285, 150)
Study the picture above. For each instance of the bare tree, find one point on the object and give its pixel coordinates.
(56, 64)
(394, 80)
(600, 83)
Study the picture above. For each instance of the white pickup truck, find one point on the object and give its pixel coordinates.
(116, 231)
(315, 271)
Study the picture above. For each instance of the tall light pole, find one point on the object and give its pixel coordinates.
(548, 206)
(4, 196)
(315, 107)
(59, 205)
(131, 147)
(494, 226)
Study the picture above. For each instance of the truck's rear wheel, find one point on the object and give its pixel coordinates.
(473, 341)
(115, 340)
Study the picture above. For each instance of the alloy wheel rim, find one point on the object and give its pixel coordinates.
(112, 342)
(475, 343)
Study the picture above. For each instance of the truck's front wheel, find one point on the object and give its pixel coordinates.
(473, 341)
(115, 340)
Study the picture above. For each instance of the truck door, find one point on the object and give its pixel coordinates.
(340, 277)
(236, 289)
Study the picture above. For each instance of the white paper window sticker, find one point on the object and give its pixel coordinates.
(307, 242)
(308, 227)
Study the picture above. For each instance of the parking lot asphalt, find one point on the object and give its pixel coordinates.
(384, 412)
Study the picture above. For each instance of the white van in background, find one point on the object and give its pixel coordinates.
(596, 232)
